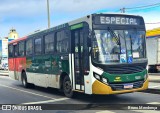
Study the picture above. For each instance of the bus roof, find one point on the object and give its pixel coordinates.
(125, 14)
(17, 40)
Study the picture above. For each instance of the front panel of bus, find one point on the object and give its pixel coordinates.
(119, 54)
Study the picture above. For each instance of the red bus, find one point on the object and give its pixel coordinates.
(17, 58)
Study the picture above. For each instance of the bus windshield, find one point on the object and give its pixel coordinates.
(118, 46)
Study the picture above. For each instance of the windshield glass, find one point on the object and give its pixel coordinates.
(118, 46)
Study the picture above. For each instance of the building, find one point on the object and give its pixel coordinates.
(12, 34)
(153, 33)
(4, 45)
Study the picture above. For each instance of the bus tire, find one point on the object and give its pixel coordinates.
(67, 87)
(24, 80)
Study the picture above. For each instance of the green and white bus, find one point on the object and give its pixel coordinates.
(96, 54)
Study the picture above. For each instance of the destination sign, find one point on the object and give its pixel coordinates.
(117, 20)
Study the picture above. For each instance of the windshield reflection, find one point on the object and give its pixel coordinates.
(118, 46)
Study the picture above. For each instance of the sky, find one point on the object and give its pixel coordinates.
(27, 16)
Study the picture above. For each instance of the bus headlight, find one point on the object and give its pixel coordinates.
(97, 76)
(100, 78)
(145, 77)
(147, 67)
(104, 80)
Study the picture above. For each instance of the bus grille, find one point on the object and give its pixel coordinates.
(116, 87)
(126, 69)
(123, 68)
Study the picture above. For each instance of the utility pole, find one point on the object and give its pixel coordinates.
(122, 10)
(48, 13)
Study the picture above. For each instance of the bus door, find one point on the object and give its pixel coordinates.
(81, 57)
(15, 69)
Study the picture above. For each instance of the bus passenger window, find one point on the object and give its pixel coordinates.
(21, 49)
(10, 50)
(37, 46)
(29, 47)
(62, 44)
(16, 51)
(49, 43)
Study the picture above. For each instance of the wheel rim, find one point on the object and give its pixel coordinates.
(24, 82)
(67, 87)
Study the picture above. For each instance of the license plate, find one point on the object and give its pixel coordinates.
(128, 86)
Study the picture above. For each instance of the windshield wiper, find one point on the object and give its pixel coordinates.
(114, 35)
(130, 41)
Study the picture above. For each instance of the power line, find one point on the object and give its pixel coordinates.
(147, 8)
(144, 6)
(153, 23)
(140, 7)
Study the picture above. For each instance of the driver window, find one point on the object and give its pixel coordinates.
(105, 46)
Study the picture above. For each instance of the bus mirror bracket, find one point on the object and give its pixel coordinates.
(89, 38)
(89, 42)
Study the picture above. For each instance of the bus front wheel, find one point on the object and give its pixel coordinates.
(67, 87)
(24, 80)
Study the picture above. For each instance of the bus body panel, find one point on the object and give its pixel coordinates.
(11, 68)
(16, 65)
(45, 70)
(124, 78)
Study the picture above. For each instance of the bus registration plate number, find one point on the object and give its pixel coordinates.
(128, 86)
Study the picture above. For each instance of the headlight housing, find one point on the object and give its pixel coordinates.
(145, 77)
(100, 78)
(147, 67)
(104, 80)
(97, 76)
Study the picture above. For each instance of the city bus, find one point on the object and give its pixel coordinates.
(98, 54)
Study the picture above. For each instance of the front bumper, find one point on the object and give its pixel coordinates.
(101, 88)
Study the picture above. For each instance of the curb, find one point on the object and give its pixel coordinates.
(157, 81)
(155, 74)
(3, 74)
(153, 91)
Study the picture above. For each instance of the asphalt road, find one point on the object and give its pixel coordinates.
(12, 92)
